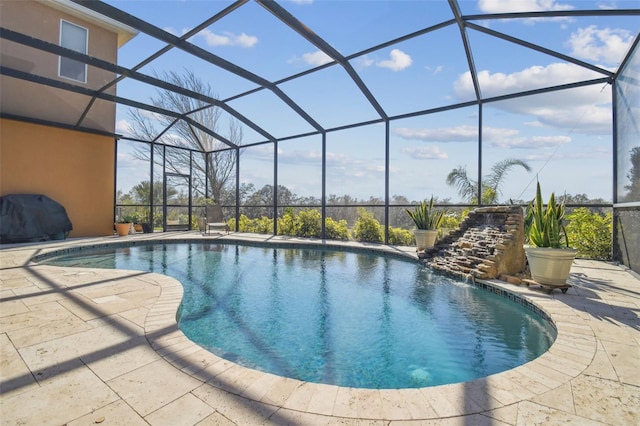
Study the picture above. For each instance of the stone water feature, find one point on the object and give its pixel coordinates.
(487, 245)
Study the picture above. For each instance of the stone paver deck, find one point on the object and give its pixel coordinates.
(93, 346)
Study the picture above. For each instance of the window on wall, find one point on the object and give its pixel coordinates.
(73, 37)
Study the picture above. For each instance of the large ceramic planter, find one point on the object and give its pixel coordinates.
(425, 238)
(550, 266)
(123, 229)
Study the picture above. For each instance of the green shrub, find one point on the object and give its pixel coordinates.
(590, 233)
(244, 224)
(367, 228)
(453, 220)
(401, 237)
(336, 230)
(262, 225)
(309, 223)
(287, 223)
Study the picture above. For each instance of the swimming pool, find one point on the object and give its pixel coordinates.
(346, 318)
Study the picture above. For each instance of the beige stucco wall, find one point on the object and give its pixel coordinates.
(75, 169)
(28, 99)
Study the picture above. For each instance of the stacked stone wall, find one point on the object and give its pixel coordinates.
(488, 244)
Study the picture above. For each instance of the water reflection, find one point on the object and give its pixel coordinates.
(339, 317)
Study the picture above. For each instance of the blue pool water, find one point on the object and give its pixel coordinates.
(337, 317)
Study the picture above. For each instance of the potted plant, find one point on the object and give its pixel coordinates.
(146, 225)
(123, 227)
(547, 249)
(427, 220)
(135, 219)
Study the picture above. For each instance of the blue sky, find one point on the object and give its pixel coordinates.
(564, 136)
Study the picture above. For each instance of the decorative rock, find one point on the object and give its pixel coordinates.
(488, 244)
(510, 279)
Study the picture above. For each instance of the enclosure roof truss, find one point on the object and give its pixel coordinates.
(464, 23)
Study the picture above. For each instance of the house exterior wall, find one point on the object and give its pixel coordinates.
(27, 99)
(73, 167)
(76, 169)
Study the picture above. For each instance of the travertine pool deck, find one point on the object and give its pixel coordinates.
(94, 346)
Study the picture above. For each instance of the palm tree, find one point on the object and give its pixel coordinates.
(468, 188)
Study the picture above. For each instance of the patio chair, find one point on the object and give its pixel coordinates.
(214, 219)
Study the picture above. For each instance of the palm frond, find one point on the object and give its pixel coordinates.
(500, 170)
(467, 188)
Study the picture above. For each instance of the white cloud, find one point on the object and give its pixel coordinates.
(397, 62)
(153, 120)
(364, 61)
(600, 44)
(590, 119)
(129, 171)
(227, 39)
(302, 1)
(351, 170)
(607, 5)
(316, 58)
(535, 77)
(533, 124)
(123, 127)
(154, 117)
(496, 136)
(347, 166)
(342, 161)
(259, 153)
(493, 134)
(536, 142)
(426, 153)
(453, 134)
(515, 6)
(599, 153)
(245, 40)
(450, 134)
(584, 109)
(297, 157)
(505, 6)
(173, 31)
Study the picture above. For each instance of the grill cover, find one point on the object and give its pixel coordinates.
(32, 217)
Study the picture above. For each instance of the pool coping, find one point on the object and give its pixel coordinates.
(569, 355)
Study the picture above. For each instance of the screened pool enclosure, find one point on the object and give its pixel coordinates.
(345, 108)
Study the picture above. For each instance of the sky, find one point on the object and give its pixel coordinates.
(565, 136)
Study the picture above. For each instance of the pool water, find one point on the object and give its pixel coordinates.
(337, 317)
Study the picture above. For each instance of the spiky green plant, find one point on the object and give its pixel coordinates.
(544, 225)
(425, 216)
